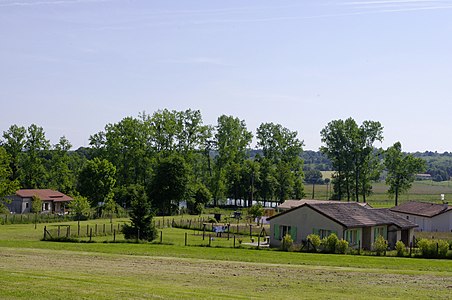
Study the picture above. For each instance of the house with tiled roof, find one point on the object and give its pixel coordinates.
(359, 225)
(430, 217)
(288, 204)
(52, 201)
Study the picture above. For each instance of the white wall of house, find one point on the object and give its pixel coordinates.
(441, 223)
(304, 220)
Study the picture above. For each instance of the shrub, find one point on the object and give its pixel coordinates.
(400, 248)
(287, 242)
(341, 246)
(443, 247)
(380, 245)
(329, 244)
(315, 240)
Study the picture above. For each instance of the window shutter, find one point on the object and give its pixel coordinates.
(358, 236)
(276, 231)
(293, 233)
(347, 235)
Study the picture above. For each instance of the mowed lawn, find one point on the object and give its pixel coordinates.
(48, 270)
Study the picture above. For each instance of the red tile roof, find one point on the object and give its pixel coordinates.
(423, 209)
(44, 195)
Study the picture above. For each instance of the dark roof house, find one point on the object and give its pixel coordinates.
(429, 216)
(351, 221)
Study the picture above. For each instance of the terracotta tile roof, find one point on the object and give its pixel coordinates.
(44, 195)
(352, 214)
(423, 209)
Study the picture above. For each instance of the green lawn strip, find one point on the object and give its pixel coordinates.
(101, 276)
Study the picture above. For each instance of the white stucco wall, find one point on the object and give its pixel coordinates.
(305, 220)
(441, 223)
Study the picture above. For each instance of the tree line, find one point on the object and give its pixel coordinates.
(172, 156)
(168, 155)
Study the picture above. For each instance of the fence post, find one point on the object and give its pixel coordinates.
(228, 230)
(411, 248)
(161, 237)
(234, 240)
(251, 233)
(185, 239)
(45, 232)
(258, 241)
(90, 234)
(114, 235)
(210, 239)
(203, 231)
(58, 230)
(111, 227)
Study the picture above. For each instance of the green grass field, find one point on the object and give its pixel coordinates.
(31, 268)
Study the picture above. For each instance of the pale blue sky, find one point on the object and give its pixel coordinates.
(72, 66)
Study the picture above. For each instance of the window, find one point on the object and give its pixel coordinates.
(323, 233)
(284, 230)
(26, 204)
(379, 231)
(46, 206)
(352, 236)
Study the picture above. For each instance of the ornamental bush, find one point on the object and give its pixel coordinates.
(341, 246)
(329, 244)
(433, 248)
(315, 240)
(287, 242)
(400, 248)
(380, 245)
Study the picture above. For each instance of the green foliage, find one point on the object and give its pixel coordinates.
(7, 185)
(329, 243)
(79, 207)
(201, 197)
(256, 211)
(433, 248)
(97, 180)
(402, 169)
(170, 184)
(341, 246)
(36, 204)
(400, 248)
(380, 245)
(351, 151)
(287, 242)
(141, 226)
(33, 173)
(315, 240)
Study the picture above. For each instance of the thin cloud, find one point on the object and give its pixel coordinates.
(55, 2)
(196, 60)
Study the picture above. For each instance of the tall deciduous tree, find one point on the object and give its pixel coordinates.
(402, 169)
(62, 178)
(169, 184)
(34, 173)
(97, 180)
(350, 148)
(283, 149)
(7, 186)
(14, 143)
(232, 140)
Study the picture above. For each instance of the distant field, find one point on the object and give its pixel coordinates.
(428, 191)
(50, 270)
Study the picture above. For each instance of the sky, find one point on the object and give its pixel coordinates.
(73, 66)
